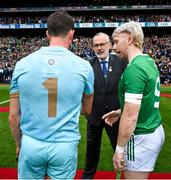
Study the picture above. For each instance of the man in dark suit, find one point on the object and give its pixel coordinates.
(108, 69)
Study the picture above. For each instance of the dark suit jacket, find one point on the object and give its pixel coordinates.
(105, 92)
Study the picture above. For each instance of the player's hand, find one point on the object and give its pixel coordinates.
(118, 161)
(112, 117)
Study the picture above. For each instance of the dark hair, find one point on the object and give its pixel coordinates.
(59, 23)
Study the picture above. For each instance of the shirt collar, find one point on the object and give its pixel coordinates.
(134, 57)
(107, 59)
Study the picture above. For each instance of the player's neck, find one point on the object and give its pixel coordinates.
(59, 42)
(133, 52)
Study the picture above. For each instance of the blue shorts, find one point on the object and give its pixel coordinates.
(38, 159)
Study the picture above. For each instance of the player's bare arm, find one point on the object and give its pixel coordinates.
(112, 117)
(87, 102)
(14, 121)
(126, 128)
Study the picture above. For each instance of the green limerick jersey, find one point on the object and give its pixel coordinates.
(140, 84)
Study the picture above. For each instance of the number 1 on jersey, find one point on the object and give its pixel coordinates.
(51, 85)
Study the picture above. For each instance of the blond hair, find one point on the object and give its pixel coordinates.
(134, 28)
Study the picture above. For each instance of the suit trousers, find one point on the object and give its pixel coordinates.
(94, 136)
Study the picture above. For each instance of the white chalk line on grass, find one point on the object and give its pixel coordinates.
(3, 102)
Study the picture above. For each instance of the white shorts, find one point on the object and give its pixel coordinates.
(142, 151)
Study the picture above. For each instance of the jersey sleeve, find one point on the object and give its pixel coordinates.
(89, 86)
(14, 89)
(135, 79)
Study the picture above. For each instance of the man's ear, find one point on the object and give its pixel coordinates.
(47, 35)
(130, 40)
(71, 34)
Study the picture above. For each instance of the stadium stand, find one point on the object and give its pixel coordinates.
(13, 49)
(28, 20)
(91, 18)
(59, 3)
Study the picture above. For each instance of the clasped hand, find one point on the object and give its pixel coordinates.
(112, 117)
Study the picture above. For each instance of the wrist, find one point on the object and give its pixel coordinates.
(119, 149)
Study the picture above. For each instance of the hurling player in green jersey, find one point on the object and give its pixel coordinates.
(141, 134)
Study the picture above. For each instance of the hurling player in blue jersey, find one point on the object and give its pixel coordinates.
(48, 89)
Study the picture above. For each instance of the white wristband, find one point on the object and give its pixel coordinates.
(119, 149)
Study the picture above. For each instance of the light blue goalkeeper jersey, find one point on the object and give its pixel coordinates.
(50, 83)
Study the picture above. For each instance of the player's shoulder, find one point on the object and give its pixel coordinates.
(29, 57)
(25, 62)
(139, 65)
(141, 59)
(142, 63)
(78, 59)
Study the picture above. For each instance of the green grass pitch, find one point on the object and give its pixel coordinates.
(7, 145)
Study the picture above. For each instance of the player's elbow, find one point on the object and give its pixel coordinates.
(13, 119)
(87, 104)
(129, 128)
(86, 111)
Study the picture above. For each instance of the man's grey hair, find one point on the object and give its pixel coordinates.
(102, 34)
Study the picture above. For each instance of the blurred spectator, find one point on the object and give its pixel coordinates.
(71, 3)
(13, 49)
(91, 18)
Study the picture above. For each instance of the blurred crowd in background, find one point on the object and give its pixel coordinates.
(12, 49)
(91, 18)
(59, 3)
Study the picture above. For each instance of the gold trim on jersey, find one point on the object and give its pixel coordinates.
(87, 95)
(14, 95)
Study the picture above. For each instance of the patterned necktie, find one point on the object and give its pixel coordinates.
(104, 68)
